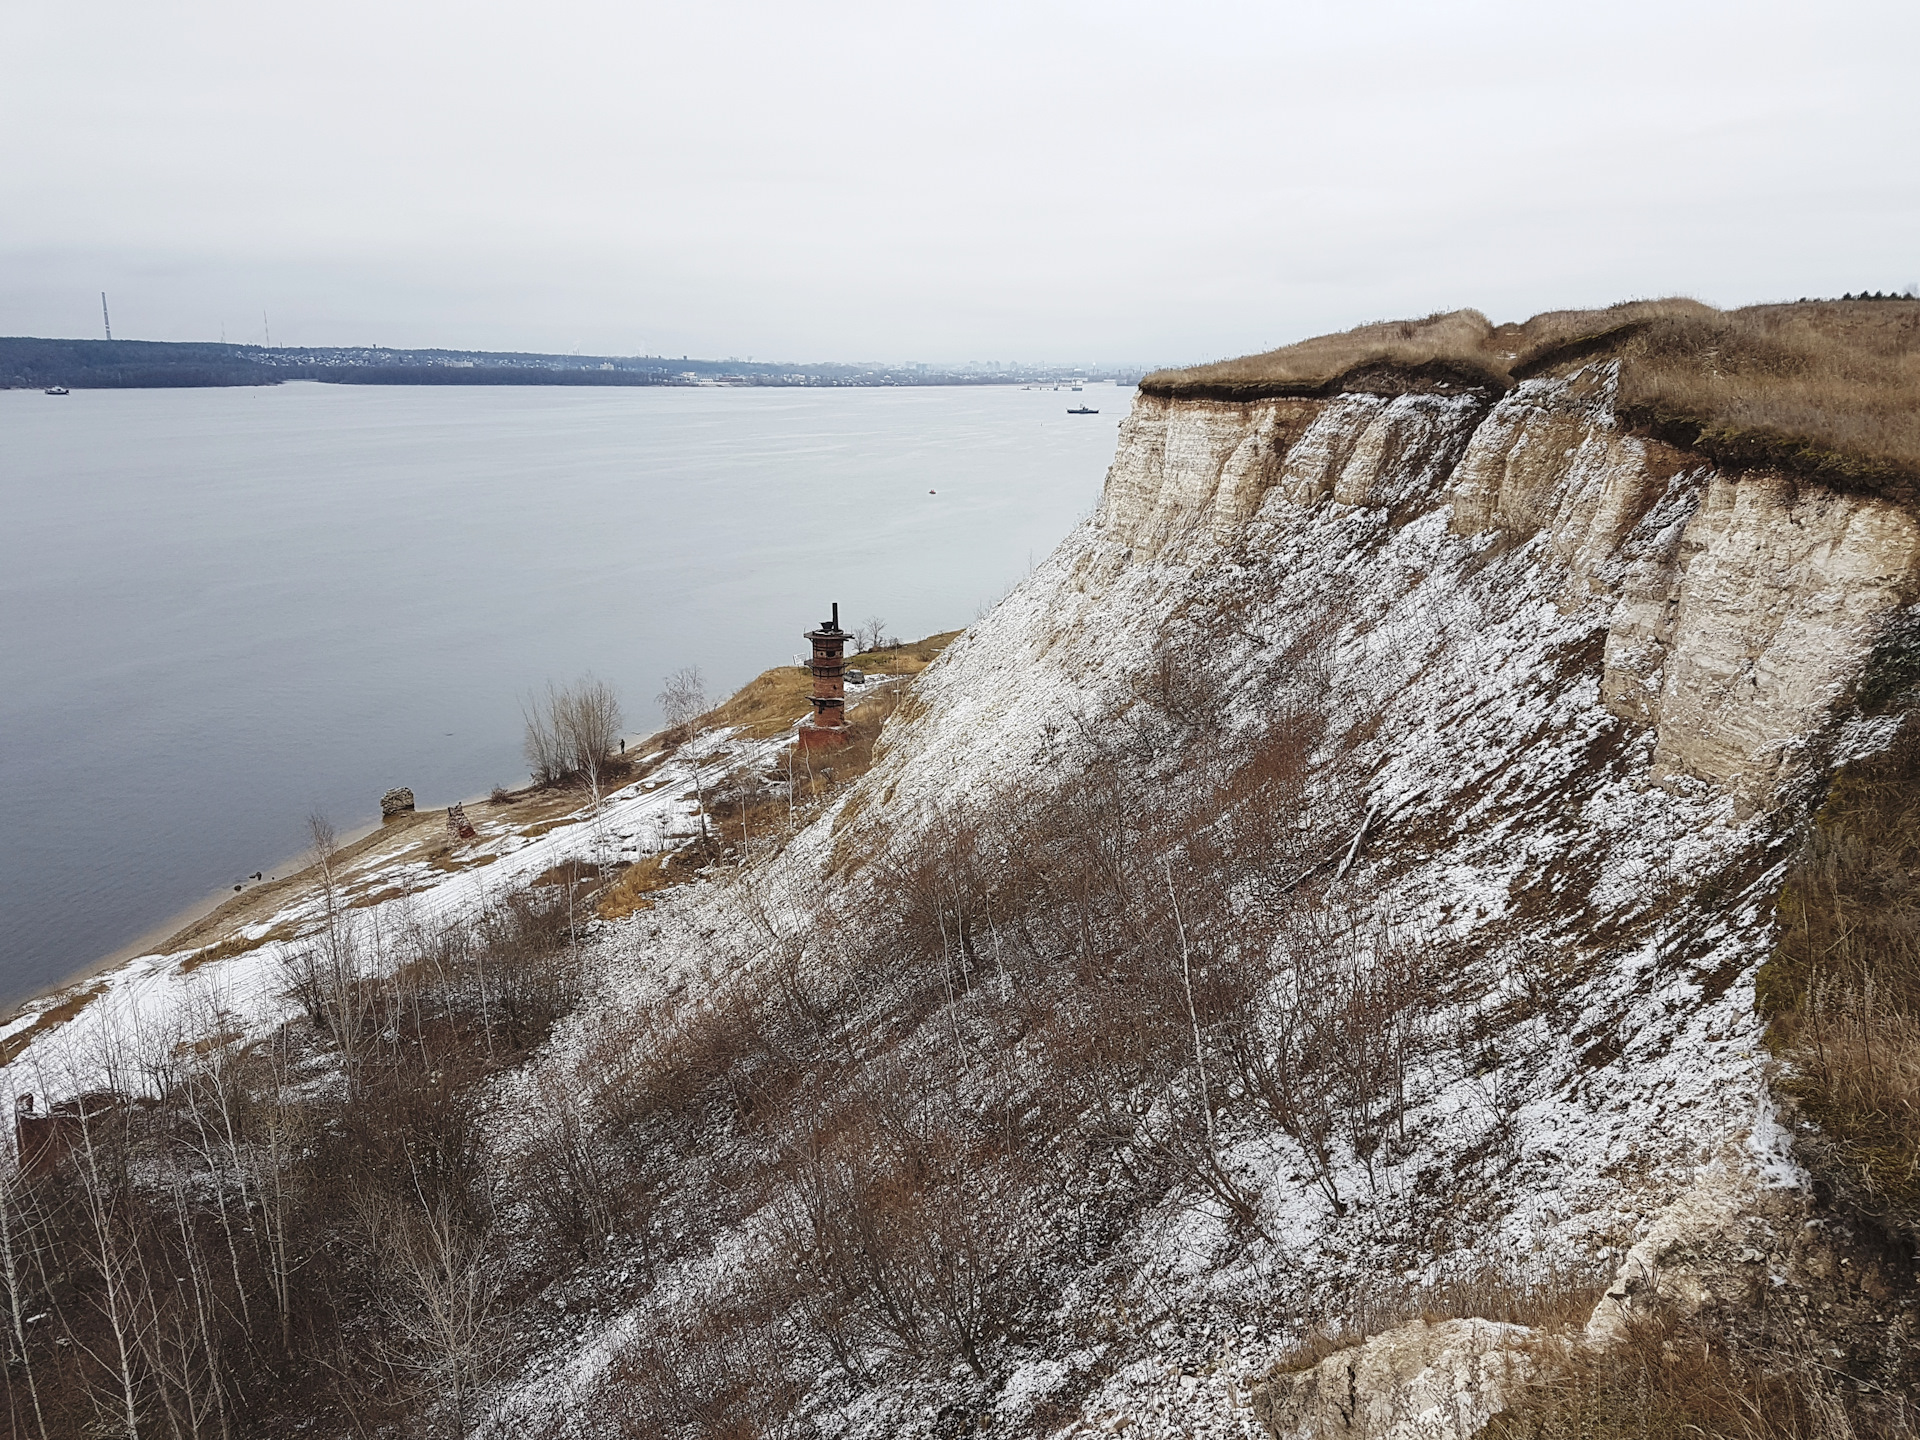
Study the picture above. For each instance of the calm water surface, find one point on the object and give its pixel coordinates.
(223, 609)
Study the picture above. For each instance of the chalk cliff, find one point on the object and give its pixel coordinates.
(1740, 608)
(1329, 890)
(1584, 683)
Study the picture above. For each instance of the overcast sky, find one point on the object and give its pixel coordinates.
(1095, 182)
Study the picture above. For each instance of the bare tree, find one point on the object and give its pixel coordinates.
(13, 1197)
(683, 700)
(542, 743)
(329, 967)
(326, 850)
(683, 696)
(572, 732)
(439, 1305)
(871, 632)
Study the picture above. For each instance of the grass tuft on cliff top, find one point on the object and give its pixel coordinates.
(1828, 389)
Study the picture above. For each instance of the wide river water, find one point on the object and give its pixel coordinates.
(222, 610)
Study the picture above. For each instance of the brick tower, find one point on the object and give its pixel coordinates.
(826, 728)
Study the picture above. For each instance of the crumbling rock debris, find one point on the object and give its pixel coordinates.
(1700, 1255)
(398, 801)
(1742, 1253)
(1417, 1382)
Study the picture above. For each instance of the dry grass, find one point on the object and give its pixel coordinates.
(769, 704)
(534, 832)
(379, 897)
(1451, 348)
(447, 864)
(237, 945)
(1830, 390)
(1843, 987)
(1824, 388)
(774, 700)
(632, 889)
(905, 659)
(1664, 1382)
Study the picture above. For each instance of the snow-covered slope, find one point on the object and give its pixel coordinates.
(61, 1042)
(1576, 687)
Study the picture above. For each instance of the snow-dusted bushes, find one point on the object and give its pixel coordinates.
(226, 1236)
(909, 1235)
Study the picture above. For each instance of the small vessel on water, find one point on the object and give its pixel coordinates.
(1081, 410)
(57, 390)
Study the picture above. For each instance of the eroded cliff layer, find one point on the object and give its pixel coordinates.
(1740, 608)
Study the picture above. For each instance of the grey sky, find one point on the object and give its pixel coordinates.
(803, 181)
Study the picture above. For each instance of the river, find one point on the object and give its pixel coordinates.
(222, 610)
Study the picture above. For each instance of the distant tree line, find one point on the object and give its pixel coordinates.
(153, 364)
(31, 363)
(1910, 293)
(125, 364)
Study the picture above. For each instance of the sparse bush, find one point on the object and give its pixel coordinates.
(909, 1239)
(576, 1177)
(723, 1376)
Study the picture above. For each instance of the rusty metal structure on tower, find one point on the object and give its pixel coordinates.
(827, 726)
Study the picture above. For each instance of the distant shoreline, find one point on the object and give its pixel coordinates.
(32, 363)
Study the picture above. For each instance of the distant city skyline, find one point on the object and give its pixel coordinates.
(1102, 184)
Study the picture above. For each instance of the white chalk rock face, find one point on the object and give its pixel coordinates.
(1417, 1382)
(1780, 592)
(1318, 459)
(1198, 469)
(1550, 460)
(1744, 607)
(1406, 453)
